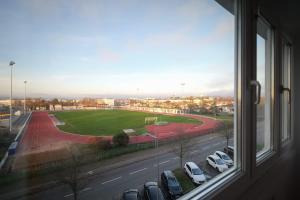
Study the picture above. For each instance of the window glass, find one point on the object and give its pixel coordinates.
(116, 93)
(264, 76)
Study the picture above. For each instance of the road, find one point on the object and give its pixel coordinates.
(17, 122)
(112, 183)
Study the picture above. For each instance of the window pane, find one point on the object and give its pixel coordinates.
(119, 92)
(264, 77)
(285, 101)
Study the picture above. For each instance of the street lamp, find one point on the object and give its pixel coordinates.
(25, 96)
(11, 64)
(156, 145)
(183, 84)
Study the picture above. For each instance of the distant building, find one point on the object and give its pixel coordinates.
(105, 102)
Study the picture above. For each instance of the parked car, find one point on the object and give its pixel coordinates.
(194, 172)
(131, 194)
(152, 191)
(229, 150)
(217, 163)
(228, 161)
(171, 185)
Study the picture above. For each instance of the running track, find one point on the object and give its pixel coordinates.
(42, 134)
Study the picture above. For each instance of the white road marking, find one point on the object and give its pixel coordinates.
(216, 144)
(164, 162)
(90, 172)
(192, 152)
(175, 158)
(68, 195)
(134, 172)
(85, 189)
(111, 180)
(205, 147)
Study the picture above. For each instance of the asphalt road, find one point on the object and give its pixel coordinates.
(17, 122)
(112, 183)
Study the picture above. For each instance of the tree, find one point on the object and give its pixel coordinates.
(228, 131)
(71, 174)
(54, 102)
(181, 144)
(121, 139)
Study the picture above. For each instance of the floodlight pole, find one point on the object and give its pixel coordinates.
(156, 145)
(25, 96)
(11, 64)
(182, 84)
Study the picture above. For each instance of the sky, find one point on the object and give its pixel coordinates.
(74, 48)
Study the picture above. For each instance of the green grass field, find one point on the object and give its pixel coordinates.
(111, 122)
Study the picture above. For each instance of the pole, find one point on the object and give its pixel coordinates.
(25, 96)
(10, 109)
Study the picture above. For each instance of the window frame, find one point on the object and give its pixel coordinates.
(285, 41)
(267, 154)
(248, 170)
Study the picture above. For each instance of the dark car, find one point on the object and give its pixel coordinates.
(132, 194)
(171, 185)
(229, 150)
(152, 191)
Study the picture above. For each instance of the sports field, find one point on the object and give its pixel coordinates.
(111, 122)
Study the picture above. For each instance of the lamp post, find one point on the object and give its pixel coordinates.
(156, 145)
(11, 64)
(25, 96)
(183, 84)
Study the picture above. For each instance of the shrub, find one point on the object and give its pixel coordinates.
(104, 145)
(121, 139)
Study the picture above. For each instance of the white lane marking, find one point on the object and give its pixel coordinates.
(90, 172)
(85, 189)
(164, 162)
(192, 152)
(175, 158)
(134, 172)
(205, 147)
(111, 180)
(215, 144)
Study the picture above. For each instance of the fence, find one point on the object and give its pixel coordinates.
(17, 139)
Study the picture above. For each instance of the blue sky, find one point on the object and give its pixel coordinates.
(79, 48)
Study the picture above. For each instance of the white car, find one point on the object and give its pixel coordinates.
(225, 158)
(194, 172)
(217, 163)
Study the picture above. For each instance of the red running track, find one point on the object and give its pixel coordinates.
(42, 134)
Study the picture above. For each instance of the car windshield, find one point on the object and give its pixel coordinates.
(197, 171)
(130, 196)
(172, 182)
(155, 193)
(225, 157)
(220, 162)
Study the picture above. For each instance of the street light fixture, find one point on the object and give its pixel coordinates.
(11, 64)
(25, 96)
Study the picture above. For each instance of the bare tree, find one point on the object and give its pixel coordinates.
(71, 175)
(181, 144)
(228, 131)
